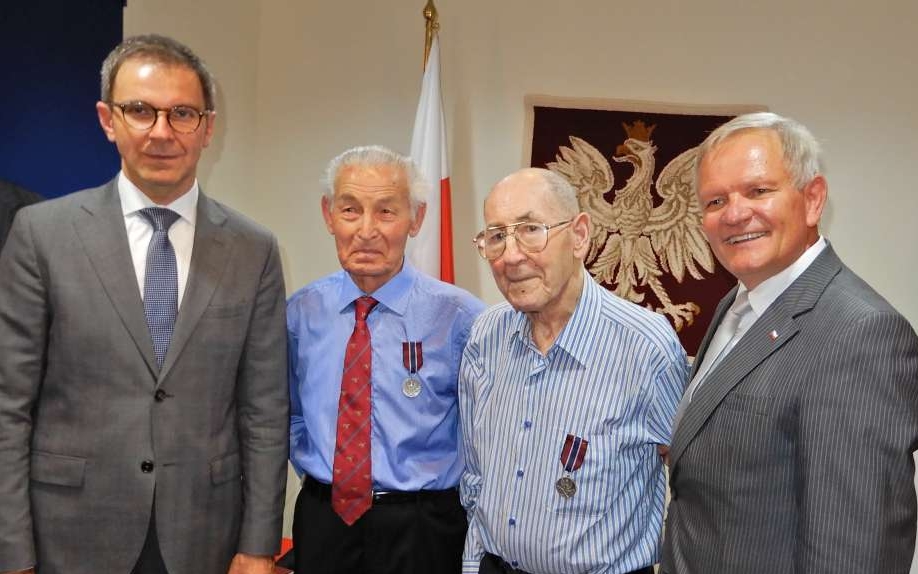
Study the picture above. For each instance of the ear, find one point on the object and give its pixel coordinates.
(209, 120)
(327, 215)
(417, 220)
(106, 120)
(580, 226)
(814, 197)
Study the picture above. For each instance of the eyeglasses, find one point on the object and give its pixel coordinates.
(143, 116)
(531, 237)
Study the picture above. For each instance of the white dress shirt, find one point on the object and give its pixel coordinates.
(139, 230)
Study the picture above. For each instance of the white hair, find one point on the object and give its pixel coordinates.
(374, 156)
(802, 153)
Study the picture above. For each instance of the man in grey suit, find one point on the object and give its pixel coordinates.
(143, 398)
(793, 447)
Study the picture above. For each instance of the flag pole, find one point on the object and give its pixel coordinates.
(432, 24)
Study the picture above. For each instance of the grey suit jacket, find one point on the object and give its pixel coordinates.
(90, 428)
(795, 455)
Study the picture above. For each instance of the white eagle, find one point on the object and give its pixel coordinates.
(633, 243)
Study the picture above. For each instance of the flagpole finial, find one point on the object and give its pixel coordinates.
(432, 24)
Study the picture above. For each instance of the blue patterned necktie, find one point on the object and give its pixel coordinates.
(160, 286)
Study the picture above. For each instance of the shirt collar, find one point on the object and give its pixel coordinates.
(766, 292)
(393, 294)
(571, 340)
(133, 200)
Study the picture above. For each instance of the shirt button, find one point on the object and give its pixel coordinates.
(514, 563)
(159, 396)
(146, 466)
(527, 424)
(519, 473)
(512, 521)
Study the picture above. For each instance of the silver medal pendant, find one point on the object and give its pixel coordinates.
(566, 487)
(411, 387)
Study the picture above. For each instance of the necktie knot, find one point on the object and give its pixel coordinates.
(363, 306)
(159, 217)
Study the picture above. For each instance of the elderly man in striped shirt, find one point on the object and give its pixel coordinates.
(567, 394)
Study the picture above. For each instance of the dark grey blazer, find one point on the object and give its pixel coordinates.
(89, 426)
(12, 199)
(796, 454)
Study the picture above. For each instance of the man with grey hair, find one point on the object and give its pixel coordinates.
(374, 354)
(143, 410)
(792, 450)
(566, 394)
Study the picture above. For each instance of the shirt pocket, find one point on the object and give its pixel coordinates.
(595, 481)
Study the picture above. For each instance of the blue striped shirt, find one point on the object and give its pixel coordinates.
(414, 440)
(614, 377)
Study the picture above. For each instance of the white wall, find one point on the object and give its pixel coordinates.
(303, 80)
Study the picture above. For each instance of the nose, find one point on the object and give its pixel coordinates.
(161, 128)
(512, 253)
(367, 227)
(737, 210)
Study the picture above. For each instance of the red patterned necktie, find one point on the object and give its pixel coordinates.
(352, 482)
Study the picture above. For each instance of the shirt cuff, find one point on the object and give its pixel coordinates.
(470, 566)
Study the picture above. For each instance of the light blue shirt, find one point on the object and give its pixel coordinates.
(414, 441)
(614, 377)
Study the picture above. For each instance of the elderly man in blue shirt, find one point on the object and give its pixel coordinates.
(374, 360)
(567, 394)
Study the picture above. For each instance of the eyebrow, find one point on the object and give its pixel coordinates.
(529, 216)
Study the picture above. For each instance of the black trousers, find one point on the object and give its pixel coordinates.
(402, 533)
(493, 564)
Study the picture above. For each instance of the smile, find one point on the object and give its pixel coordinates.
(733, 240)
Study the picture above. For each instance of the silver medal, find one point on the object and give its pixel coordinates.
(411, 387)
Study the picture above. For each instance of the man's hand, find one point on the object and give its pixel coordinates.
(251, 564)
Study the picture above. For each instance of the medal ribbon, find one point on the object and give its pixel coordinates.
(573, 453)
(412, 356)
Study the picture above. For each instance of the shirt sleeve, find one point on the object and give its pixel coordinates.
(668, 385)
(471, 377)
(297, 424)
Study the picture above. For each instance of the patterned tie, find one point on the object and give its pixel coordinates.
(736, 320)
(160, 286)
(352, 481)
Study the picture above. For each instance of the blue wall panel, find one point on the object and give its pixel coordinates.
(50, 55)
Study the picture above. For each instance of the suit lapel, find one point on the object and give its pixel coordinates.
(210, 254)
(768, 334)
(100, 227)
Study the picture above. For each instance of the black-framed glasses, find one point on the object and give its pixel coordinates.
(530, 236)
(143, 116)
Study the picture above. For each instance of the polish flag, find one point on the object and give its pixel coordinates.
(432, 250)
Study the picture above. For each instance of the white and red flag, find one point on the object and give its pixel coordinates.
(432, 250)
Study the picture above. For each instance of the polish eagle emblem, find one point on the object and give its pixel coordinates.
(634, 242)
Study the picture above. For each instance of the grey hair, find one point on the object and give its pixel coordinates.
(374, 156)
(802, 153)
(562, 190)
(159, 49)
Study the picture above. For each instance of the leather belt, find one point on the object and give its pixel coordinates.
(507, 568)
(323, 492)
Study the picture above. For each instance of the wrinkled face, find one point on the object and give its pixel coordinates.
(535, 282)
(756, 220)
(159, 161)
(370, 218)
